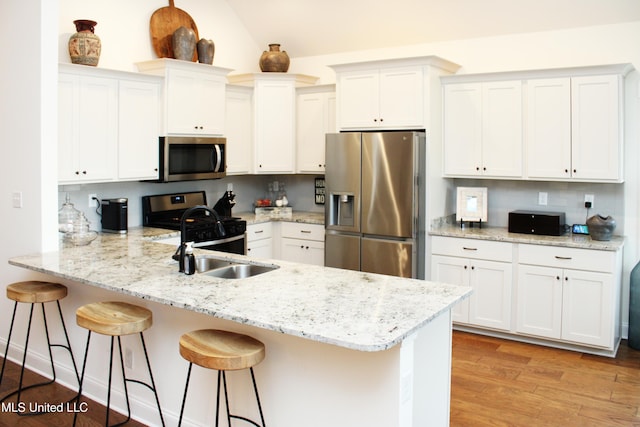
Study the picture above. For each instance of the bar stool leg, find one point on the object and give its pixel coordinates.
(184, 397)
(84, 366)
(6, 350)
(26, 347)
(153, 384)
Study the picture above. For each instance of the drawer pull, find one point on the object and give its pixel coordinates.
(306, 231)
(563, 257)
(469, 249)
(258, 231)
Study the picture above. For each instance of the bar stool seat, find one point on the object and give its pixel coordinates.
(222, 351)
(36, 292)
(115, 319)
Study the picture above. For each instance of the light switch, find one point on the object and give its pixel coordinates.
(17, 199)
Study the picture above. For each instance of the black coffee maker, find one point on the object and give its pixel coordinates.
(114, 215)
(225, 204)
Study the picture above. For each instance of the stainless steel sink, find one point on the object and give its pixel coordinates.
(240, 271)
(204, 264)
(228, 269)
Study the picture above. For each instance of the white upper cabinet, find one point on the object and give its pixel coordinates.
(274, 119)
(239, 130)
(579, 120)
(315, 117)
(108, 125)
(194, 96)
(87, 127)
(138, 129)
(483, 129)
(391, 94)
(571, 120)
(596, 128)
(549, 128)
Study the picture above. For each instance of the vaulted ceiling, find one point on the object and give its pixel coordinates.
(317, 27)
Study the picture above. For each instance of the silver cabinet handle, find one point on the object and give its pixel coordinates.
(469, 249)
(562, 257)
(306, 231)
(258, 231)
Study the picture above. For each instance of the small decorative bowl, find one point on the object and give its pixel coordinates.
(82, 239)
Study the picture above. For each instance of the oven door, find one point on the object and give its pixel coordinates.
(234, 245)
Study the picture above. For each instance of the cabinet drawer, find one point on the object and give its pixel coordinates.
(578, 259)
(472, 248)
(296, 230)
(259, 231)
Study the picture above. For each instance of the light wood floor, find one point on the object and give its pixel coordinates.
(494, 383)
(505, 383)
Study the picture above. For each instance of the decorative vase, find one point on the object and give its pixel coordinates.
(600, 227)
(274, 60)
(206, 49)
(84, 45)
(184, 44)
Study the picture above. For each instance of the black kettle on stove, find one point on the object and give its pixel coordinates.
(224, 205)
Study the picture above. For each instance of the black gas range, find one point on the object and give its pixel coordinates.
(202, 225)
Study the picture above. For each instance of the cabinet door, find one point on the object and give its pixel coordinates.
(588, 301)
(260, 248)
(88, 129)
(463, 129)
(274, 127)
(239, 131)
(539, 301)
(502, 129)
(401, 98)
(195, 103)
(455, 271)
(312, 124)
(596, 123)
(490, 303)
(303, 251)
(549, 128)
(138, 130)
(358, 97)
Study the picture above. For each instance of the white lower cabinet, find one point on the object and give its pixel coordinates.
(568, 294)
(486, 267)
(259, 240)
(302, 243)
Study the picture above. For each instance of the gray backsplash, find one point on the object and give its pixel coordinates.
(300, 192)
(568, 197)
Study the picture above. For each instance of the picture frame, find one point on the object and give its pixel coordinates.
(471, 204)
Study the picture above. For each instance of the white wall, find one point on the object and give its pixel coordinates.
(123, 28)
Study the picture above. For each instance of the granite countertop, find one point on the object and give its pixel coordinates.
(304, 217)
(501, 234)
(359, 311)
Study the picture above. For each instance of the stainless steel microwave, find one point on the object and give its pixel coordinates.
(192, 158)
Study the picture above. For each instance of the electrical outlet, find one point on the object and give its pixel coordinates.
(230, 186)
(93, 201)
(128, 358)
(589, 198)
(543, 198)
(16, 198)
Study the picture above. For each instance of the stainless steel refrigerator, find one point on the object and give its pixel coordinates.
(375, 205)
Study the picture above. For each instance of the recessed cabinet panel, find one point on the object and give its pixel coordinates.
(549, 128)
(315, 117)
(239, 132)
(138, 130)
(502, 129)
(597, 143)
(462, 129)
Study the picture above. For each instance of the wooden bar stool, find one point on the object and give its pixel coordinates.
(115, 319)
(222, 351)
(36, 292)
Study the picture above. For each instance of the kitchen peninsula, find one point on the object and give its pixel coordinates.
(344, 348)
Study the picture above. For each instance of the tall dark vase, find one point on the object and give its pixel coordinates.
(84, 45)
(634, 308)
(183, 41)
